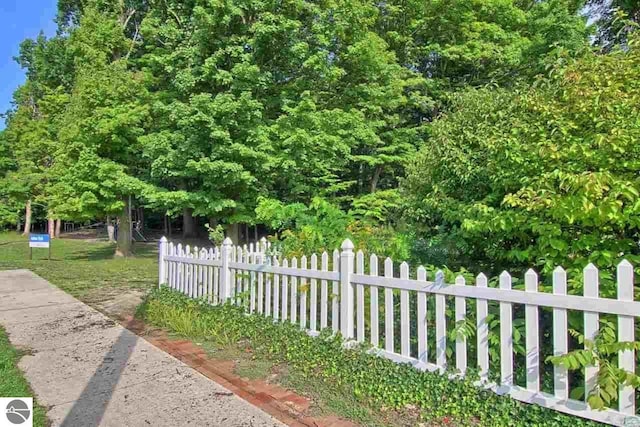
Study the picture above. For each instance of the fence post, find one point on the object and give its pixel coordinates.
(225, 273)
(346, 294)
(162, 264)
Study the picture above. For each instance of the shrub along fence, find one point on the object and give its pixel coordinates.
(508, 333)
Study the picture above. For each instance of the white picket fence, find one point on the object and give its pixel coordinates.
(329, 291)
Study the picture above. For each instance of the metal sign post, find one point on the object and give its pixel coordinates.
(39, 241)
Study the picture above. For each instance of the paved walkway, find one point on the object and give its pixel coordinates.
(90, 371)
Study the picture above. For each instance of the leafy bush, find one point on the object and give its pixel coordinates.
(322, 226)
(543, 175)
(375, 381)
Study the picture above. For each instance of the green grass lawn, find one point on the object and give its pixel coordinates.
(12, 382)
(84, 269)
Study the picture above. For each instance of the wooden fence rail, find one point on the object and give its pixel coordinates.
(348, 293)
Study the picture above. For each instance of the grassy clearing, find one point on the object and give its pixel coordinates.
(84, 269)
(12, 382)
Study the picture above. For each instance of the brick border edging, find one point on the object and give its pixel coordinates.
(282, 404)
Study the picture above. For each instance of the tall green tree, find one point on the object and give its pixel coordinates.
(100, 166)
(542, 175)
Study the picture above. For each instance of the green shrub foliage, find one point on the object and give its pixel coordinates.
(376, 381)
(539, 176)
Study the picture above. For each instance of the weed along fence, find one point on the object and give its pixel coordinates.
(455, 327)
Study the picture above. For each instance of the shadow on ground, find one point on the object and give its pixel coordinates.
(90, 407)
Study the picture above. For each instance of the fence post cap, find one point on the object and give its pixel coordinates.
(591, 267)
(263, 239)
(625, 264)
(163, 239)
(347, 245)
(227, 242)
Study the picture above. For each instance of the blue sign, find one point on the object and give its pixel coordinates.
(39, 240)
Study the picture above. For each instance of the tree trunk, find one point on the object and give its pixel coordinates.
(124, 247)
(376, 178)
(188, 225)
(58, 227)
(27, 218)
(233, 232)
(51, 227)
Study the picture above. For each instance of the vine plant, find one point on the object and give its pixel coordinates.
(600, 352)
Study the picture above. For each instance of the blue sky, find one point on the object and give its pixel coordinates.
(20, 19)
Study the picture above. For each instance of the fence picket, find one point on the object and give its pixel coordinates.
(405, 325)
(303, 295)
(293, 312)
(313, 309)
(360, 298)
(249, 281)
(173, 274)
(210, 282)
(260, 261)
(560, 343)
(204, 273)
(169, 265)
(532, 335)
(626, 358)
(268, 278)
(373, 303)
(506, 334)
(324, 291)
(216, 279)
(347, 299)
(226, 282)
(179, 268)
(197, 269)
(188, 269)
(422, 317)
(276, 290)
(461, 339)
(285, 291)
(193, 293)
(591, 323)
(232, 275)
(482, 328)
(335, 294)
(441, 325)
(388, 308)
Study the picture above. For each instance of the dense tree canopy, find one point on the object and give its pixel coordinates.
(201, 108)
